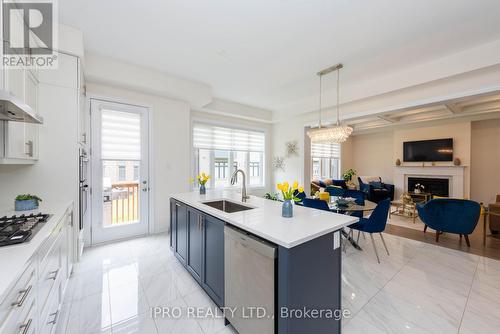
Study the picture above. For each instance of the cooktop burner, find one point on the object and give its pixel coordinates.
(19, 229)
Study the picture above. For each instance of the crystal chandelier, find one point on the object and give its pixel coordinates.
(332, 134)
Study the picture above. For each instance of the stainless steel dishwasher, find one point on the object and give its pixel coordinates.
(249, 265)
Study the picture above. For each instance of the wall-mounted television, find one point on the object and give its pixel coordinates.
(428, 150)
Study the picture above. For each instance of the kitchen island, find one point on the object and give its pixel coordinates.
(294, 272)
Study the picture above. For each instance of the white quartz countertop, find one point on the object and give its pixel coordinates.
(13, 259)
(265, 219)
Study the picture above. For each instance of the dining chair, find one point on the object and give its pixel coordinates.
(359, 198)
(335, 191)
(315, 204)
(375, 223)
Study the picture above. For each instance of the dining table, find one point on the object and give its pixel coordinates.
(348, 209)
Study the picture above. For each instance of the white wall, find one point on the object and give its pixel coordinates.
(292, 130)
(170, 140)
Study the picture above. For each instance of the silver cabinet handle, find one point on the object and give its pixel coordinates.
(53, 274)
(25, 328)
(54, 320)
(29, 146)
(25, 294)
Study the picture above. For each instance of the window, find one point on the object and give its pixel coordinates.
(121, 173)
(220, 151)
(325, 160)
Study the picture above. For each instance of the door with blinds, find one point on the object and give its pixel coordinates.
(120, 171)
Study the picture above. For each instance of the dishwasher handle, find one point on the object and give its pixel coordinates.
(249, 241)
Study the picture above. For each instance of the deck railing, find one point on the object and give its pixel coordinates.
(124, 202)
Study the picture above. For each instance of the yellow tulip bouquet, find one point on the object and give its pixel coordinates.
(290, 193)
(202, 180)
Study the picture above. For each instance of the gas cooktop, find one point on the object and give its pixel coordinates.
(19, 229)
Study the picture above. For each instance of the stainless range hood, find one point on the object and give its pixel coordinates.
(13, 109)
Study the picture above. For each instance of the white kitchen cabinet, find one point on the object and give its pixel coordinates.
(34, 302)
(20, 140)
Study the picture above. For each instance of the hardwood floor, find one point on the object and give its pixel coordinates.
(453, 241)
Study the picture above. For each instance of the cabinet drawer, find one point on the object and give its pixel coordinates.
(23, 321)
(20, 296)
(50, 314)
(44, 250)
(50, 275)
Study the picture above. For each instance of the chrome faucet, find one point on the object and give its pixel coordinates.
(234, 179)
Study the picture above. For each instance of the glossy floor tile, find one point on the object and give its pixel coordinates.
(418, 288)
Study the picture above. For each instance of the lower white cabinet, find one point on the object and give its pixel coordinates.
(33, 305)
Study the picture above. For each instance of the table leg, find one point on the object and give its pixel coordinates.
(485, 223)
(351, 240)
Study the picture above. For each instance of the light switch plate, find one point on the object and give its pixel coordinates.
(336, 240)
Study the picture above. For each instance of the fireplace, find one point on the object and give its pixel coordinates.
(435, 186)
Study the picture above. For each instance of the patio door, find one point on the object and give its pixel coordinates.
(120, 178)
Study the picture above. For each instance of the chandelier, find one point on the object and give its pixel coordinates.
(330, 134)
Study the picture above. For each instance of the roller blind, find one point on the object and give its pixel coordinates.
(120, 135)
(322, 150)
(219, 138)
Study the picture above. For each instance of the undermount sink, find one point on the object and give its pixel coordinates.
(227, 206)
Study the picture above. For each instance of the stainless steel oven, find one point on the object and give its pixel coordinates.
(84, 187)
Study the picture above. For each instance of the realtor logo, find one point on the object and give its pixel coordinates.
(29, 33)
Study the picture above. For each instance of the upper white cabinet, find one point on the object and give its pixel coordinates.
(20, 140)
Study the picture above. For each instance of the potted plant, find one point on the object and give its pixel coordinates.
(347, 176)
(202, 180)
(289, 196)
(27, 202)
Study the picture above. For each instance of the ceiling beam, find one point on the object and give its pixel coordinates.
(453, 108)
(387, 119)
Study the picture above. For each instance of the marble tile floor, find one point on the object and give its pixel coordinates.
(419, 288)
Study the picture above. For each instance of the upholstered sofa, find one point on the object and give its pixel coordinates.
(375, 190)
(316, 184)
(495, 216)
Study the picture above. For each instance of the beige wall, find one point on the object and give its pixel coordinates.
(376, 153)
(485, 160)
(372, 155)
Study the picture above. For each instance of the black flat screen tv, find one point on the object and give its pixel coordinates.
(428, 150)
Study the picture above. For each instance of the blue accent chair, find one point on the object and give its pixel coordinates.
(375, 223)
(376, 191)
(335, 191)
(300, 196)
(458, 216)
(316, 204)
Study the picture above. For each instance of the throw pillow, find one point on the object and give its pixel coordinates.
(377, 185)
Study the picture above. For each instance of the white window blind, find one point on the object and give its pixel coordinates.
(212, 137)
(120, 135)
(322, 150)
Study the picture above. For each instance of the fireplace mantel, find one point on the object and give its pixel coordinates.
(456, 175)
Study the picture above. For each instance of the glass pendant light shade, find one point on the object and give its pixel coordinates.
(331, 134)
(335, 134)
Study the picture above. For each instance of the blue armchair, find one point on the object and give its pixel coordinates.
(375, 190)
(456, 216)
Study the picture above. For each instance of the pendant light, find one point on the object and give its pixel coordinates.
(330, 134)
